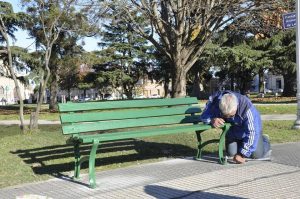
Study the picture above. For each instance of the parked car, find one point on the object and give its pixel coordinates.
(139, 97)
(84, 99)
(268, 91)
(110, 98)
(155, 96)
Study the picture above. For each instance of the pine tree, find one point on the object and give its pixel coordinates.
(128, 56)
(240, 59)
(282, 50)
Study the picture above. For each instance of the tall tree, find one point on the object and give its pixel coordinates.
(8, 23)
(161, 72)
(283, 53)
(181, 29)
(46, 15)
(263, 25)
(129, 54)
(240, 64)
(64, 49)
(69, 73)
(200, 73)
(73, 26)
(264, 63)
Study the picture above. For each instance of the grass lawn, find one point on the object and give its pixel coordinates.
(42, 155)
(277, 109)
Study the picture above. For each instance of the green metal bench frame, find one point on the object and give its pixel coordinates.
(128, 119)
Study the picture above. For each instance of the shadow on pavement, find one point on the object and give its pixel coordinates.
(166, 192)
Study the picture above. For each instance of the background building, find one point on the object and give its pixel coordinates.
(8, 92)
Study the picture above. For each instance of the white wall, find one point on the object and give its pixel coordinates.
(8, 91)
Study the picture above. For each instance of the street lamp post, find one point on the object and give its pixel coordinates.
(297, 122)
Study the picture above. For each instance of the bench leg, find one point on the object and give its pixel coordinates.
(77, 160)
(92, 158)
(201, 144)
(199, 150)
(222, 143)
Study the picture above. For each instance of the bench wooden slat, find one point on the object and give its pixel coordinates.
(127, 114)
(143, 133)
(128, 123)
(126, 104)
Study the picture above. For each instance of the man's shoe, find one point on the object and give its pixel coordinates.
(267, 146)
(268, 154)
(266, 157)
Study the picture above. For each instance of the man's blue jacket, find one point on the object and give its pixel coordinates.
(246, 124)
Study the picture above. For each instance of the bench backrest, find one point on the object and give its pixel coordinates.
(78, 118)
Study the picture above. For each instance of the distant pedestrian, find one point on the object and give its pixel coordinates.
(244, 139)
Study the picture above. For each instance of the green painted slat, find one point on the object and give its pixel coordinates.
(128, 123)
(127, 114)
(108, 105)
(144, 133)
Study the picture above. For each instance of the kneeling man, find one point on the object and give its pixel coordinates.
(244, 139)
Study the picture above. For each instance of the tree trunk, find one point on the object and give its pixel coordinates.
(166, 86)
(232, 87)
(243, 88)
(53, 92)
(21, 108)
(196, 86)
(12, 72)
(69, 94)
(179, 82)
(84, 93)
(128, 90)
(289, 84)
(35, 115)
(261, 81)
(44, 80)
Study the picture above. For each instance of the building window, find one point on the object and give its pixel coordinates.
(1, 90)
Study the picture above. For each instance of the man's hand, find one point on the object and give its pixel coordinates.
(239, 159)
(217, 122)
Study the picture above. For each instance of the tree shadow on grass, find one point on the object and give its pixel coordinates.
(58, 159)
(14, 109)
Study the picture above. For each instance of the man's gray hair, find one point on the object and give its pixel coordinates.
(228, 103)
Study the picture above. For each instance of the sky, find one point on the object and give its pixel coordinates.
(24, 41)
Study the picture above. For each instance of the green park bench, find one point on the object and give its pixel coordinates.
(98, 122)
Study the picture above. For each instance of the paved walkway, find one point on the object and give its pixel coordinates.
(13, 122)
(181, 178)
(279, 117)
